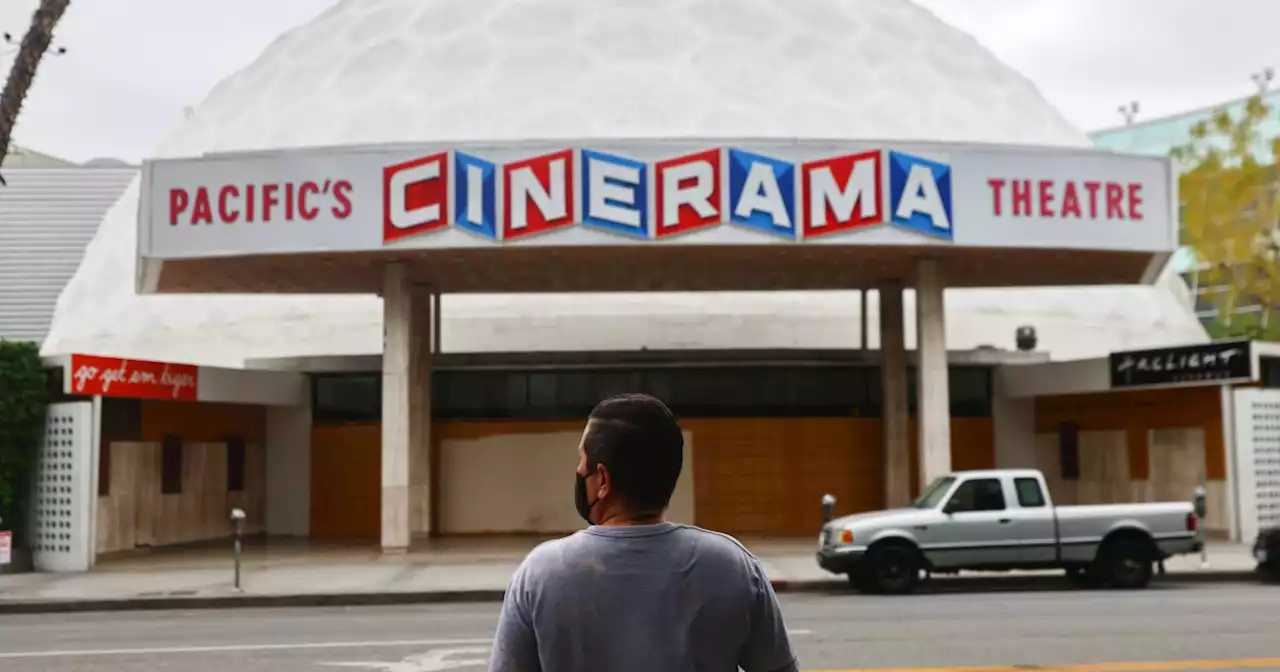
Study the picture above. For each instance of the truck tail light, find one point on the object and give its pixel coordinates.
(1193, 523)
(846, 537)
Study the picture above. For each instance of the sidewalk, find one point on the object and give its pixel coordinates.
(292, 574)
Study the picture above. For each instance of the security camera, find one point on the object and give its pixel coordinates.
(1025, 338)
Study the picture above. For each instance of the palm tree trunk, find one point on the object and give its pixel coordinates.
(34, 45)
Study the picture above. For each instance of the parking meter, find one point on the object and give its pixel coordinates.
(1201, 506)
(237, 521)
(828, 508)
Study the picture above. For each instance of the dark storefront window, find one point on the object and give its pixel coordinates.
(970, 388)
(338, 398)
(1270, 371)
(719, 392)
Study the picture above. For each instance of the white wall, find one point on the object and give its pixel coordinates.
(1014, 424)
(289, 470)
(269, 388)
(524, 483)
(1034, 380)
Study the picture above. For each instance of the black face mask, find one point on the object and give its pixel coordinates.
(580, 498)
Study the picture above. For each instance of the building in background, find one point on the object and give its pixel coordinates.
(49, 212)
(783, 393)
(1158, 137)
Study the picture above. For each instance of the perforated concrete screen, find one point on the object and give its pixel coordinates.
(1258, 459)
(63, 504)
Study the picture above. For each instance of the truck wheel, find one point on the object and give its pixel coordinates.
(1082, 577)
(1125, 564)
(891, 570)
(860, 580)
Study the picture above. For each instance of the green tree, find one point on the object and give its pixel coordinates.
(24, 398)
(1229, 187)
(34, 45)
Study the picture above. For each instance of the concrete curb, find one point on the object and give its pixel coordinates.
(977, 583)
(243, 601)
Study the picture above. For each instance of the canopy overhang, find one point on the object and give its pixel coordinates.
(629, 269)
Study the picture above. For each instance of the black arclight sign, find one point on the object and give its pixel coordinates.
(1219, 361)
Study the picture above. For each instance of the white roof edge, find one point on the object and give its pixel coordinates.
(710, 140)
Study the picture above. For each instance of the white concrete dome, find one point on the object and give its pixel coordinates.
(386, 71)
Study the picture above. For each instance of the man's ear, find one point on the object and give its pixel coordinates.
(606, 480)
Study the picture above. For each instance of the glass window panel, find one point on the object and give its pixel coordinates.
(658, 383)
(610, 382)
(542, 390)
(516, 394)
(573, 391)
(348, 397)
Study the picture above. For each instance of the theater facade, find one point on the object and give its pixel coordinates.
(403, 282)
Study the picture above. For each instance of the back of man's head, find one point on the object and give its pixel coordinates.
(638, 439)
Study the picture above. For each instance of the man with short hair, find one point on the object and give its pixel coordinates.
(633, 592)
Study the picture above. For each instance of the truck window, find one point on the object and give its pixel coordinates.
(980, 494)
(1029, 493)
(1030, 496)
(933, 494)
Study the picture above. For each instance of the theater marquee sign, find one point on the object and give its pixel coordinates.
(612, 193)
(1218, 362)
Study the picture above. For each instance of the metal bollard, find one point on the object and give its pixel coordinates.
(1201, 505)
(237, 520)
(828, 508)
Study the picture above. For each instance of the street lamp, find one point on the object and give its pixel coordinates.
(1262, 79)
(1129, 111)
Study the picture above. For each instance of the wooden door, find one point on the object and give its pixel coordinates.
(767, 476)
(346, 481)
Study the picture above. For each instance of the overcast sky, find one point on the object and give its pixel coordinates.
(133, 65)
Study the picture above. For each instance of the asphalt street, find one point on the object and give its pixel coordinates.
(1218, 627)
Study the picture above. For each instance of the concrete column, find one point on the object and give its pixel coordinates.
(893, 392)
(863, 321)
(404, 342)
(933, 397)
(426, 318)
(288, 495)
(1015, 426)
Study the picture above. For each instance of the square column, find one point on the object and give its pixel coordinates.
(426, 329)
(406, 409)
(933, 397)
(893, 393)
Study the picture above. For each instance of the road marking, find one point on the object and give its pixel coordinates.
(1136, 666)
(243, 647)
(430, 661)
(231, 648)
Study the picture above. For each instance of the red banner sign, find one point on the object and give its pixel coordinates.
(134, 378)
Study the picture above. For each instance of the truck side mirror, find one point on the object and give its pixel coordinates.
(828, 508)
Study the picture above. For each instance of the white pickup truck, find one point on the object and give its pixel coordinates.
(1003, 520)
